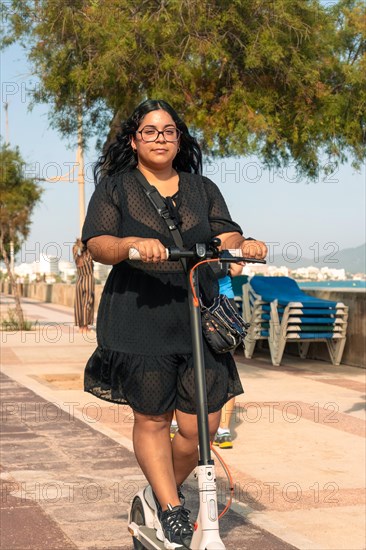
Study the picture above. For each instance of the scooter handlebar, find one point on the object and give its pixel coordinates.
(175, 254)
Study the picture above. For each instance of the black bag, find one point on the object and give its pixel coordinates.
(222, 326)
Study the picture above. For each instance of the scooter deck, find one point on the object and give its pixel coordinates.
(147, 537)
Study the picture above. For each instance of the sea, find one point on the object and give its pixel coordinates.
(349, 284)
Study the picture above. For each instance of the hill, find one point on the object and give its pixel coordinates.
(353, 260)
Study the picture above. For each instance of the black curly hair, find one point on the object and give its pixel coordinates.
(120, 157)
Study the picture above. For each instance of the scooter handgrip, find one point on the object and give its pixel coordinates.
(237, 252)
(134, 254)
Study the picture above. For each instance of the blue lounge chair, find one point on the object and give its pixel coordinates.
(238, 283)
(280, 312)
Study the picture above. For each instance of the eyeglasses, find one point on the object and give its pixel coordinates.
(150, 134)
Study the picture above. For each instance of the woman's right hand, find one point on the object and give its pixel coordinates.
(150, 250)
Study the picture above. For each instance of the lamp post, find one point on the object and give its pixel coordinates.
(79, 165)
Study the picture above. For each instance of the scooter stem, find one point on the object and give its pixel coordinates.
(206, 535)
(200, 378)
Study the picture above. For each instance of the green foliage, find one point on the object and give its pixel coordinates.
(18, 197)
(284, 79)
(12, 322)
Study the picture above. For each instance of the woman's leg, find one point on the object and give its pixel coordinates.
(184, 444)
(227, 413)
(153, 450)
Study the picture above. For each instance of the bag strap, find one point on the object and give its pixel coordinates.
(159, 204)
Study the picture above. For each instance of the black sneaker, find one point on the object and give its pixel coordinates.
(182, 498)
(177, 528)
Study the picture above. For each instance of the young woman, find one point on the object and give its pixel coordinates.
(144, 353)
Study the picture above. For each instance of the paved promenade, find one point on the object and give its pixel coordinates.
(68, 471)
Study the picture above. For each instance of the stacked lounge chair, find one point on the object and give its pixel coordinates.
(238, 282)
(280, 312)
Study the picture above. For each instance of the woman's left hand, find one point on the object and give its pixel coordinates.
(254, 249)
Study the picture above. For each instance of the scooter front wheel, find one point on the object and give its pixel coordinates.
(138, 517)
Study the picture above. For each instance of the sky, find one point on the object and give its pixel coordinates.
(293, 216)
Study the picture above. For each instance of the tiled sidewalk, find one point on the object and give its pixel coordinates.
(68, 469)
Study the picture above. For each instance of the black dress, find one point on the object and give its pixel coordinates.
(144, 354)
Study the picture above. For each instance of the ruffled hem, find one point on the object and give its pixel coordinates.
(158, 384)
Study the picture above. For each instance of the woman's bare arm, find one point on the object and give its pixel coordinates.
(250, 248)
(235, 269)
(110, 250)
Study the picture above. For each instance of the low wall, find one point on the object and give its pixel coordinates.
(354, 351)
(55, 293)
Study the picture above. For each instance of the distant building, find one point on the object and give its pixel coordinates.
(323, 274)
(332, 274)
(25, 271)
(275, 271)
(46, 269)
(101, 271)
(49, 267)
(67, 270)
(310, 272)
(255, 269)
(266, 270)
(359, 277)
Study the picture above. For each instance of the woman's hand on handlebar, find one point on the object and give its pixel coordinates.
(254, 249)
(150, 250)
(250, 248)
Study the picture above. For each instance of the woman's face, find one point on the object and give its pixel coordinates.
(160, 153)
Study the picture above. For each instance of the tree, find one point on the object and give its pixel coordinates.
(284, 79)
(18, 197)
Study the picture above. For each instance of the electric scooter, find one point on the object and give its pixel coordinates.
(206, 535)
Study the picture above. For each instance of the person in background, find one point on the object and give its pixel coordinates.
(223, 437)
(84, 295)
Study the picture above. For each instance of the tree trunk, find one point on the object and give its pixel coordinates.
(14, 286)
(113, 131)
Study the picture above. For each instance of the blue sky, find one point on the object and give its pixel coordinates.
(271, 206)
